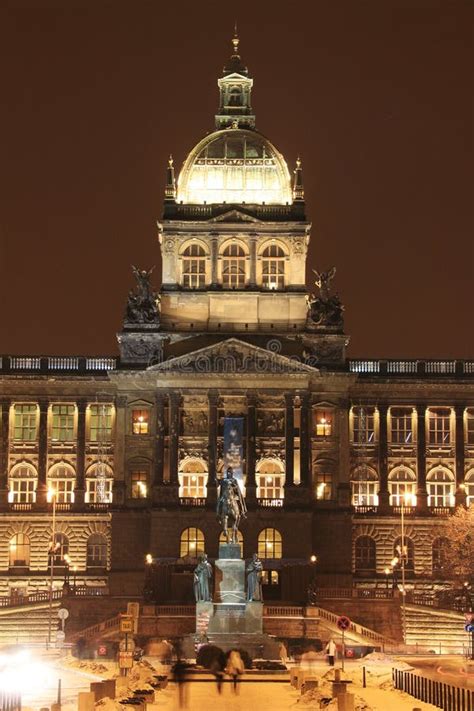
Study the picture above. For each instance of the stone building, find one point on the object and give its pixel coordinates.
(124, 452)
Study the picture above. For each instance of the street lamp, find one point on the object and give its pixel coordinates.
(404, 500)
(53, 546)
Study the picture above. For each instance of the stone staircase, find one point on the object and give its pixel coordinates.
(440, 631)
(28, 624)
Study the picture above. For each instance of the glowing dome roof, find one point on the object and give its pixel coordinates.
(234, 166)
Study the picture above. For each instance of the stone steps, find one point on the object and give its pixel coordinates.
(439, 630)
(23, 625)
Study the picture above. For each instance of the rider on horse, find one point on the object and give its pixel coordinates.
(230, 505)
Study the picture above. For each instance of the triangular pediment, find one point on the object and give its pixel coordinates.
(234, 215)
(234, 357)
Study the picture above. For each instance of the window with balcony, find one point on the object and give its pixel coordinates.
(270, 480)
(96, 551)
(61, 483)
(192, 543)
(139, 484)
(273, 267)
(270, 544)
(365, 486)
(19, 551)
(22, 484)
(402, 487)
(140, 421)
(193, 479)
(100, 422)
(363, 425)
(401, 425)
(194, 267)
(233, 267)
(440, 486)
(25, 423)
(365, 552)
(439, 426)
(323, 422)
(62, 423)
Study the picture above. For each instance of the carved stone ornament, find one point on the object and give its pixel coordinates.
(326, 310)
(143, 302)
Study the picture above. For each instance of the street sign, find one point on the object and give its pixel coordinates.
(125, 660)
(469, 627)
(126, 624)
(60, 637)
(343, 623)
(102, 650)
(127, 645)
(63, 614)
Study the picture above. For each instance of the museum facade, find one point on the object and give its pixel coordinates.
(232, 362)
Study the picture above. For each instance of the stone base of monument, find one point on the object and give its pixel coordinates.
(231, 622)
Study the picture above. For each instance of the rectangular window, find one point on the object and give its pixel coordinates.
(140, 422)
(439, 426)
(363, 431)
(401, 421)
(323, 486)
(100, 423)
(62, 429)
(440, 494)
(323, 423)
(139, 485)
(93, 488)
(193, 485)
(470, 426)
(64, 489)
(25, 428)
(270, 486)
(22, 491)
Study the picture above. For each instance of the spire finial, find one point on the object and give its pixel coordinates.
(298, 189)
(170, 187)
(235, 39)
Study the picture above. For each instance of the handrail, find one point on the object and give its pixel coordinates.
(43, 595)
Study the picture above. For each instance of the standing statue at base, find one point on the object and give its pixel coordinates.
(254, 580)
(202, 580)
(230, 506)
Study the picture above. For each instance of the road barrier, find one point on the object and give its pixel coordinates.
(443, 696)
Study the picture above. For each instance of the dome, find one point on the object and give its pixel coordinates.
(234, 166)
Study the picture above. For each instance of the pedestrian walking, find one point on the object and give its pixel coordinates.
(234, 668)
(331, 652)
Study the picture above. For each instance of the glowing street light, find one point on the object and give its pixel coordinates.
(53, 546)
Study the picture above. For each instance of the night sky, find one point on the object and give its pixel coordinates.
(376, 96)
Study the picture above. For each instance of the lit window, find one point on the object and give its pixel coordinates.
(402, 487)
(439, 426)
(139, 481)
(22, 484)
(61, 482)
(233, 267)
(270, 577)
(192, 543)
(365, 486)
(25, 428)
(96, 551)
(401, 425)
(273, 267)
(363, 425)
(193, 480)
(19, 551)
(270, 480)
(469, 426)
(194, 267)
(62, 429)
(408, 552)
(100, 422)
(440, 485)
(323, 423)
(269, 543)
(323, 481)
(365, 554)
(469, 485)
(140, 422)
(99, 484)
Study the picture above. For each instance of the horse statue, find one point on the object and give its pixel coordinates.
(230, 506)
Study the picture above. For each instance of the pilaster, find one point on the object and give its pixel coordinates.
(42, 488)
(5, 404)
(421, 493)
(251, 484)
(384, 496)
(79, 491)
(459, 453)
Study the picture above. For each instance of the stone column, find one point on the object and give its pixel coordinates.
(159, 447)
(343, 485)
(175, 400)
(79, 490)
(214, 257)
(289, 440)
(4, 444)
(305, 434)
(119, 486)
(42, 488)
(253, 261)
(459, 454)
(251, 483)
(213, 399)
(384, 496)
(421, 493)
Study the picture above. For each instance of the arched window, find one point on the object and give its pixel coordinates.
(99, 482)
(402, 487)
(192, 543)
(22, 484)
(19, 551)
(233, 267)
(440, 554)
(194, 267)
(240, 540)
(235, 96)
(440, 485)
(96, 551)
(408, 551)
(365, 485)
(270, 480)
(365, 554)
(269, 543)
(60, 548)
(61, 482)
(273, 267)
(192, 479)
(469, 484)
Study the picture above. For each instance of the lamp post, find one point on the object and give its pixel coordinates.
(74, 573)
(387, 573)
(403, 552)
(52, 552)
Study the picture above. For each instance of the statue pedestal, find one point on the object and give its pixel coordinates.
(230, 580)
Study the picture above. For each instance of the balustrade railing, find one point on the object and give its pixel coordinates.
(192, 501)
(61, 364)
(270, 503)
